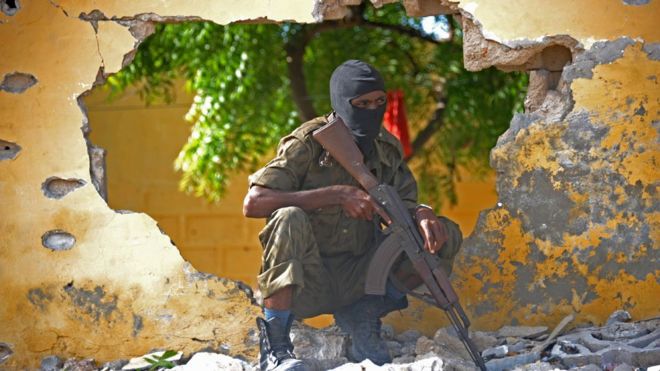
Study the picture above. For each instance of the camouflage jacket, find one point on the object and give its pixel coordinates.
(302, 164)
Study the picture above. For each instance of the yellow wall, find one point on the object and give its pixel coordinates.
(123, 288)
(141, 144)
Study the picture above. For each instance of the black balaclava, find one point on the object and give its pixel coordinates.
(350, 80)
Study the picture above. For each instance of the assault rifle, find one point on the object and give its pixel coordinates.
(402, 235)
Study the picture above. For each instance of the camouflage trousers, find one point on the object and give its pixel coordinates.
(291, 256)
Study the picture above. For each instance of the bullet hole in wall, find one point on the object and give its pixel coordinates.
(8, 150)
(17, 82)
(58, 240)
(57, 188)
(9, 7)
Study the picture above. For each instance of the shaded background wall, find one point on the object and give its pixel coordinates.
(142, 143)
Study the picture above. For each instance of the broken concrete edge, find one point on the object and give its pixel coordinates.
(193, 275)
(602, 52)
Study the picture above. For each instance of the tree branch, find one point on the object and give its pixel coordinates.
(436, 122)
(295, 55)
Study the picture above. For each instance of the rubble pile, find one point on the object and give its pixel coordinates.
(618, 345)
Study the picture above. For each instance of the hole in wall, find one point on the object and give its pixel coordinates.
(58, 240)
(9, 150)
(57, 188)
(143, 142)
(9, 7)
(17, 82)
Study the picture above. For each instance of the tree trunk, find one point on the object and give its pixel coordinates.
(301, 97)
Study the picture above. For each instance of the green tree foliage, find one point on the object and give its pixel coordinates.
(245, 80)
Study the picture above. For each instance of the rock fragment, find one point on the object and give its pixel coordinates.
(522, 331)
(214, 362)
(138, 363)
(51, 363)
(618, 316)
(496, 352)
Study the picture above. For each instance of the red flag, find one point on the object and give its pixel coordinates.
(395, 120)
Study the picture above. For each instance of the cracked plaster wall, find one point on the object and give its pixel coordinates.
(118, 288)
(577, 229)
(576, 226)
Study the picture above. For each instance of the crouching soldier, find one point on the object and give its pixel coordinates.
(322, 230)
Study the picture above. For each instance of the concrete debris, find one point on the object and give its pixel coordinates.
(140, 363)
(325, 343)
(58, 240)
(496, 352)
(618, 316)
(17, 82)
(408, 336)
(79, 365)
(522, 331)
(51, 363)
(620, 346)
(114, 365)
(512, 362)
(8, 150)
(214, 362)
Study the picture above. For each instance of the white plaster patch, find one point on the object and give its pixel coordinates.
(115, 41)
(470, 7)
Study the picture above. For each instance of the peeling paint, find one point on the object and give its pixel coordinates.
(138, 325)
(39, 298)
(94, 302)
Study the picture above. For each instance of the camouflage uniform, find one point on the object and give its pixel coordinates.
(324, 253)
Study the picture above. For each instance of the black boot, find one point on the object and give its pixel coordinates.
(275, 347)
(361, 320)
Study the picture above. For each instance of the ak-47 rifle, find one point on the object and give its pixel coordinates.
(402, 235)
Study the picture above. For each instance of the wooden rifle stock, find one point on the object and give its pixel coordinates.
(338, 140)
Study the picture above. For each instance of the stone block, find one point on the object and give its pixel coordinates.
(618, 316)
(324, 344)
(408, 336)
(508, 363)
(529, 332)
(496, 352)
(51, 363)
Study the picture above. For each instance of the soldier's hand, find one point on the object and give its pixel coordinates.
(355, 202)
(431, 228)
